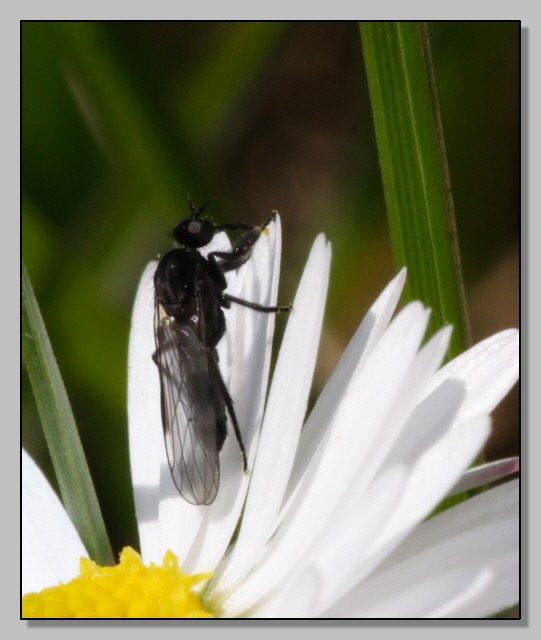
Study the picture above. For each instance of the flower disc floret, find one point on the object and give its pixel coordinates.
(127, 590)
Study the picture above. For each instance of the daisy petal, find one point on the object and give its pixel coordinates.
(334, 560)
(486, 474)
(488, 370)
(433, 473)
(51, 547)
(299, 599)
(423, 598)
(147, 451)
(430, 420)
(284, 415)
(397, 426)
(448, 565)
(359, 348)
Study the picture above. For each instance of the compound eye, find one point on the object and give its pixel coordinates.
(194, 233)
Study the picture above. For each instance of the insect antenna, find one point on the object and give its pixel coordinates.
(194, 211)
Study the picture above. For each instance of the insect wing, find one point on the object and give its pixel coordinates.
(188, 414)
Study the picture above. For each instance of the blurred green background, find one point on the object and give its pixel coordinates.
(120, 120)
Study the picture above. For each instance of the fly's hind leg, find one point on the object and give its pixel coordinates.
(215, 369)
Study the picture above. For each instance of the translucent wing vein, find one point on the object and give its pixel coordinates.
(188, 412)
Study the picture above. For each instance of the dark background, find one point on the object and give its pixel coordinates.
(120, 120)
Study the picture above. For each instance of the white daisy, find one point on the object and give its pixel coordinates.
(334, 508)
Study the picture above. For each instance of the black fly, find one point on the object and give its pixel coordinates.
(188, 323)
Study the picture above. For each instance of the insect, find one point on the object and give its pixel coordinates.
(189, 322)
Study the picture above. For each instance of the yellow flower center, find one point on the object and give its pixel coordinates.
(128, 590)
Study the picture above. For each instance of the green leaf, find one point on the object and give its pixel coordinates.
(414, 170)
(60, 430)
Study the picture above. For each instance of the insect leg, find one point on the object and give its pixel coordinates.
(240, 253)
(231, 410)
(241, 226)
(255, 305)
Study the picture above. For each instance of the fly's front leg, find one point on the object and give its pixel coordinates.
(231, 260)
(241, 252)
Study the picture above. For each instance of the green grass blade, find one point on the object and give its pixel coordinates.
(414, 170)
(60, 430)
